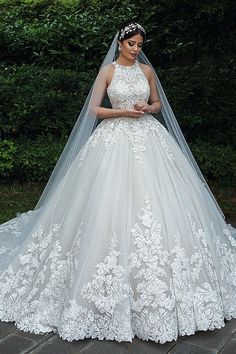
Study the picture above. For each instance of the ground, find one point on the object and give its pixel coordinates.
(219, 341)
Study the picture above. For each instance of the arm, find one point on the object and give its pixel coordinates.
(154, 99)
(154, 105)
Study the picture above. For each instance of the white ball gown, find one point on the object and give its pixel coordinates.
(142, 250)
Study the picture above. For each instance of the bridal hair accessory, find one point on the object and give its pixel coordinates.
(131, 27)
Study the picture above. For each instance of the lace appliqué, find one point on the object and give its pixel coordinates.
(42, 277)
(129, 85)
(218, 296)
(173, 291)
(79, 322)
(226, 250)
(108, 287)
(137, 132)
(107, 292)
(161, 293)
(152, 296)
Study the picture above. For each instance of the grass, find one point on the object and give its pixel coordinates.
(20, 197)
(225, 194)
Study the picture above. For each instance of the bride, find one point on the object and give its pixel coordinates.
(127, 238)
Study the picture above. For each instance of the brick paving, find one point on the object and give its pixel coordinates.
(218, 341)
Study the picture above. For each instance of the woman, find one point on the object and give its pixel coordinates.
(126, 239)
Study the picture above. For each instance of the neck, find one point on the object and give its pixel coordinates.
(124, 61)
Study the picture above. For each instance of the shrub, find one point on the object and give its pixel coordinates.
(7, 157)
(216, 161)
(36, 159)
(37, 101)
(29, 160)
(50, 51)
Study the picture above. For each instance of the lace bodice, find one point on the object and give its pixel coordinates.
(128, 86)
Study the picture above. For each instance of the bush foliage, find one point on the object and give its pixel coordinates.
(29, 160)
(50, 51)
(37, 101)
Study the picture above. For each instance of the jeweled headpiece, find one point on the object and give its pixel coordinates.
(131, 27)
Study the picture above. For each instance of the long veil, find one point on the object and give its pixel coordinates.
(87, 122)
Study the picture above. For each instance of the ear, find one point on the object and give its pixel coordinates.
(120, 43)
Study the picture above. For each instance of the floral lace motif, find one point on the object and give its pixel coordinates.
(42, 277)
(137, 132)
(108, 287)
(128, 86)
(163, 291)
(107, 292)
(152, 295)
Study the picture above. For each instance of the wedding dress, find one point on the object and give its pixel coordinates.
(142, 249)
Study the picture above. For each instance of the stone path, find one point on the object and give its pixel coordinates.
(218, 341)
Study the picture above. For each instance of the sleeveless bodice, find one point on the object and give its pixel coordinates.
(128, 86)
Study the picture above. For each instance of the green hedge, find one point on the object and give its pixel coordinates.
(203, 98)
(29, 160)
(50, 51)
(37, 101)
(216, 162)
(75, 34)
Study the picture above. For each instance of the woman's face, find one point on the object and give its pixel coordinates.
(131, 47)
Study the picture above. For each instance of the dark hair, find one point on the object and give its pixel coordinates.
(131, 33)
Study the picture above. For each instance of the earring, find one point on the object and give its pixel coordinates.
(119, 48)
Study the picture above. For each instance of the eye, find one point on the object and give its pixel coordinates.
(131, 44)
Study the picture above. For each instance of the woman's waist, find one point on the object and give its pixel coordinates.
(147, 118)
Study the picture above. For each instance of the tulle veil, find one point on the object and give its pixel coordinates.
(87, 122)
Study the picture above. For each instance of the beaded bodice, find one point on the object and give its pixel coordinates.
(128, 86)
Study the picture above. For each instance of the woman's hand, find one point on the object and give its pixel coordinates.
(142, 106)
(134, 113)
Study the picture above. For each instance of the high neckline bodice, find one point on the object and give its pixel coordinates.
(126, 66)
(128, 86)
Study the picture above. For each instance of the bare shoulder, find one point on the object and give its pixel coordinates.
(106, 73)
(147, 70)
(107, 69)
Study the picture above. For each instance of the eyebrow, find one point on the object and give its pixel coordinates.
(134, 41)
